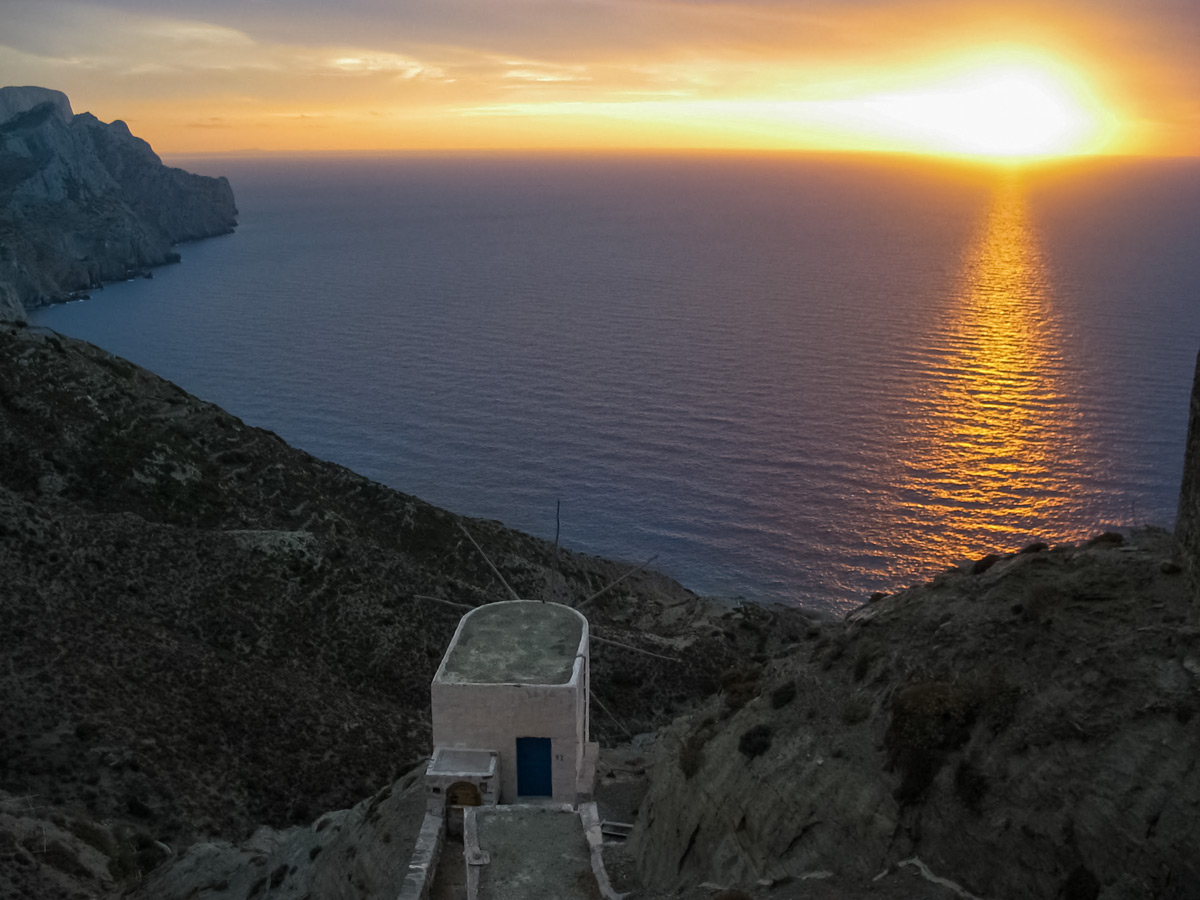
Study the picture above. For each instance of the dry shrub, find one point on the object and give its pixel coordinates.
(934, 715)
(929, 719)
(835, 652)
(755, 741)
(1040, 600)
(982, 564)
(740, 685)
(862, 662)
(996, 699)
(1080, 885)
(783, 695)
(857, 709)
(970, 785)
(691, 754)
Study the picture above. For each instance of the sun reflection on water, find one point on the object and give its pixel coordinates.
(993, 455)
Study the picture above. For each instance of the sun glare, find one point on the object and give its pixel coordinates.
(1012, 110)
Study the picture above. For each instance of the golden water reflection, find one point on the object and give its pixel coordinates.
(993, 450)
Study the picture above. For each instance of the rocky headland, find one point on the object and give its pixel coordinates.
(83, 202)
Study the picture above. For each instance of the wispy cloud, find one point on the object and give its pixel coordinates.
(357, 62)
(425, 61)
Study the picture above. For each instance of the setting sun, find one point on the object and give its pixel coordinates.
(1001, 110)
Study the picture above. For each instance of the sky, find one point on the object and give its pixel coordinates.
(1005, 78)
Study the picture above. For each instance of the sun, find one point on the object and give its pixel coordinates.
(1012, 110)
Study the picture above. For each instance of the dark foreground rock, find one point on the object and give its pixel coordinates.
(83, 202)
(206, 631)
(1030, 730)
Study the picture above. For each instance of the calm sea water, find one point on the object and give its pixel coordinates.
(793, 379)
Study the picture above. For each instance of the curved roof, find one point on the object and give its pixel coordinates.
(515, 642)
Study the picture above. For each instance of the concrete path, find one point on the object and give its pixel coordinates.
(531, 853)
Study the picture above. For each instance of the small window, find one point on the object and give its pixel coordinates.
(437, 790)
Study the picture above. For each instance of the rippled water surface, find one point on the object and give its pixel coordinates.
(793, 379)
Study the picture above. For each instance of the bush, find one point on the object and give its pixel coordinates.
(783, 695)
(983, 564)
(625, 679)
(1080, 885)
(996, 698)
(755, 741)
(740, 686)
(835, 652)
(862, 662)
(919, 767)
(691, 754)
(857, 709)
(970, 785)
(1040, 599)
(929, 719)
(932, 715)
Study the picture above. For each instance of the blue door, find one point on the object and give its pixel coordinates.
(533, 767)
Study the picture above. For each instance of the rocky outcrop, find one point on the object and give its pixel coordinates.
(361, 852)
(17, 100)
(82, 202)
(1025, 727)
(11, 307)
(1187, 521)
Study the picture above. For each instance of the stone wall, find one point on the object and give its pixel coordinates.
(418, 880)
(1187, 524)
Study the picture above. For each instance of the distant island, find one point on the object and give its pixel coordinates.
(82, 202)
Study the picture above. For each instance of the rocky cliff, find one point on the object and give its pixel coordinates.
(1187, 521)
(82, 202)
(1025, 727)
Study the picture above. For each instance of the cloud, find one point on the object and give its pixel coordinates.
(542, 73)
(356, 62)
(423, 55)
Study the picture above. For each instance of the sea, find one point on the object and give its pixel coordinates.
(786, 378)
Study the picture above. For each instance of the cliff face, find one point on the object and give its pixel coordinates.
(1025, 729)
(82, 202)
(1187, 522)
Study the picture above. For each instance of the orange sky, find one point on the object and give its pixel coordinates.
(929, 76)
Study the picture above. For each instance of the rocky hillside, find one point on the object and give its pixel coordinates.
(214, 641)
(82, 202)
(1025, 727)
(206, 630)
